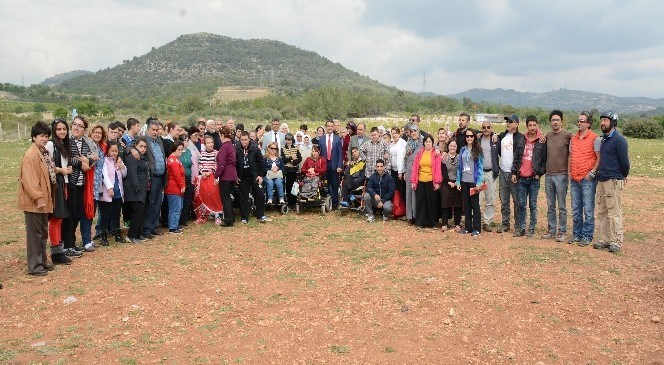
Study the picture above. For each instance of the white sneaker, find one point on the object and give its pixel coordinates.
(269, 202)
(281, 201)
(370, 219)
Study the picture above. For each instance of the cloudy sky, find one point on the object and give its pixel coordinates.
(613, 47)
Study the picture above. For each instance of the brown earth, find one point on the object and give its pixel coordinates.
(308, 289)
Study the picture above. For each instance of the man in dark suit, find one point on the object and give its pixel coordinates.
(331, 150)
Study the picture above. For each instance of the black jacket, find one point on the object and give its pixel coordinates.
(539, 157)
(460, 137)
(254, 159)
(136, 182)
(215, 137)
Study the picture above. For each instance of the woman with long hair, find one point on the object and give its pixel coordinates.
(59, 150)
(227, 174)
(397, 159)
(98, 137)
(425, 179)
(110, 203)
(274, 174)
(469, 182)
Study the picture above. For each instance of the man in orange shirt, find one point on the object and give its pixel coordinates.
(583, 162)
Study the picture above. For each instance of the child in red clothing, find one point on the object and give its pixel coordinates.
(175, 187)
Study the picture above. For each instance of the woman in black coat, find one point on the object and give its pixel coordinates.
(135, 189)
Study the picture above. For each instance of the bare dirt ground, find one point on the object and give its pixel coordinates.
(310, 289)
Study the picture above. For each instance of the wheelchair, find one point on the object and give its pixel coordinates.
(310, 197)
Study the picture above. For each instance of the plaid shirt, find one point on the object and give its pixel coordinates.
(371, 152)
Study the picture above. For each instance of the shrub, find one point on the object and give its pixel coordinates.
(643, 128)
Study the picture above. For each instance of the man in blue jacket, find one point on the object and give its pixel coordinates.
(379, 193)
(611, 174)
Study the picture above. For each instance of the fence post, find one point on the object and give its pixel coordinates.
(18, 128)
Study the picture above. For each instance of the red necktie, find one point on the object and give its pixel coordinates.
(329, 147)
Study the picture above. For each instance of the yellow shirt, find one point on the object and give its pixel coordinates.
(426, 173)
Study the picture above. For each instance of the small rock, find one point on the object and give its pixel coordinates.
(451, 312)
(439, 252)
(655, 319)
(510, 355)
(464, 339)
(447, 322)
(69, 300)
(39, 344)
(404, 308)
(125, 319)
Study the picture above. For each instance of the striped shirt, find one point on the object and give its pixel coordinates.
(372, 152)
(208, 161)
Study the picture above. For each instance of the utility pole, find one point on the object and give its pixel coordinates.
(424, 82)
(22, 80)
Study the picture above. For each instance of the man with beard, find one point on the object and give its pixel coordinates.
(459, 135)
(557, 180)
(250, 174)
(611, 175)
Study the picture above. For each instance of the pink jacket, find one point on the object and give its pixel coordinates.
(435, 167)
(108, 178)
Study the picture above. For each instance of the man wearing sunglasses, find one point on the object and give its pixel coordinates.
(506, 142)
(491, 171)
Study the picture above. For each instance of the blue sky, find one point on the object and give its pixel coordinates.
(613, 47)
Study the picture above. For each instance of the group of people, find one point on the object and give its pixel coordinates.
(164, 174)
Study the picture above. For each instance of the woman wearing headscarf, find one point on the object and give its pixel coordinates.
(413, 146)
(305, 149)
(299, 137)
(425, 180)
(35, 199)
(291, 157)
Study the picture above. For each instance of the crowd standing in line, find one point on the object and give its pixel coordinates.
(173, 175)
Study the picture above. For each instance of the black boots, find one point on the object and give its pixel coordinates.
(60, 259)
(104, 238)
(118, 237)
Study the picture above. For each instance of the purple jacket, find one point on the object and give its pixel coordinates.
(226, 170)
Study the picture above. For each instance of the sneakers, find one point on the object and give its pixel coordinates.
(269, 202)
(385, 219)
(519, 233)
(265, 219)
(583, 242)
(560, 237)
(244, 221)
(475, 233)
(281, 201)
(601, 245)
(60, 259)
(148, 236)
(502, 229)
(39, 273)
(344, 204)
(530, 234)
(463, 231)
(90, 247)
(140, 239)
(486, 228)
(217, 220)
(548, 236)
(614, 248)
(370, 219)
(70, 252)
(574, 240)
(175, 231)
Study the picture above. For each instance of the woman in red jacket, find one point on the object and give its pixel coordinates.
(313, 168)
(175, 187)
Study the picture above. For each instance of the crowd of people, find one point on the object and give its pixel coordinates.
(169, 175)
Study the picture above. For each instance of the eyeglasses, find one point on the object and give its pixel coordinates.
(582, 121)
(486, 127)
(470, 136)
(273, 148)
(78, 125)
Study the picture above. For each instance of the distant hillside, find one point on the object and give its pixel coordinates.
(201, 63)
(60, 78)
(563, 99)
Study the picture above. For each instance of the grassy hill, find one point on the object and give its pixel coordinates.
(201, 63)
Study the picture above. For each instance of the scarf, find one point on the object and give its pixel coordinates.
(413, 145)
(49, 163)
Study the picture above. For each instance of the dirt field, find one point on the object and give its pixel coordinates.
(309, 289)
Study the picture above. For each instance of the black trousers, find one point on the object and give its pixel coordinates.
(447, 213)
(187, 200)
(109, 215)
(471, 207)
(36, 228)
(426, 206)
(126, 211)
(246, 186)
(291, 176)
(137, 210)
(163, 215)
(226, 190)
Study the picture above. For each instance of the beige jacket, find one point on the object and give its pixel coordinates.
(34, 183)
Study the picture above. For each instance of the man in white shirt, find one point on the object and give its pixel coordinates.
(273, 136)
(507, 185)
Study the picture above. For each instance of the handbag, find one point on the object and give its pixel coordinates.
(60, 206)
(273, 175)
(398, 206)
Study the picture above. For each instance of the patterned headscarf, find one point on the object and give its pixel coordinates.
(412, 145)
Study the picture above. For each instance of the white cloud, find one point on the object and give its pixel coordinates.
(594, 45)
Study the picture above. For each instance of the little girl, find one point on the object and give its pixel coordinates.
(110, 203)
(207, 200)
(175, 189)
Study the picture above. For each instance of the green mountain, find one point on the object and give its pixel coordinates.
(60, 78)
(200, 63)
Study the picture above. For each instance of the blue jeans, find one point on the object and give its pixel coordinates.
(269, 186)
(583, 208)
(506, 190)
(556, 192)
(174, 210)
(526, 188)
